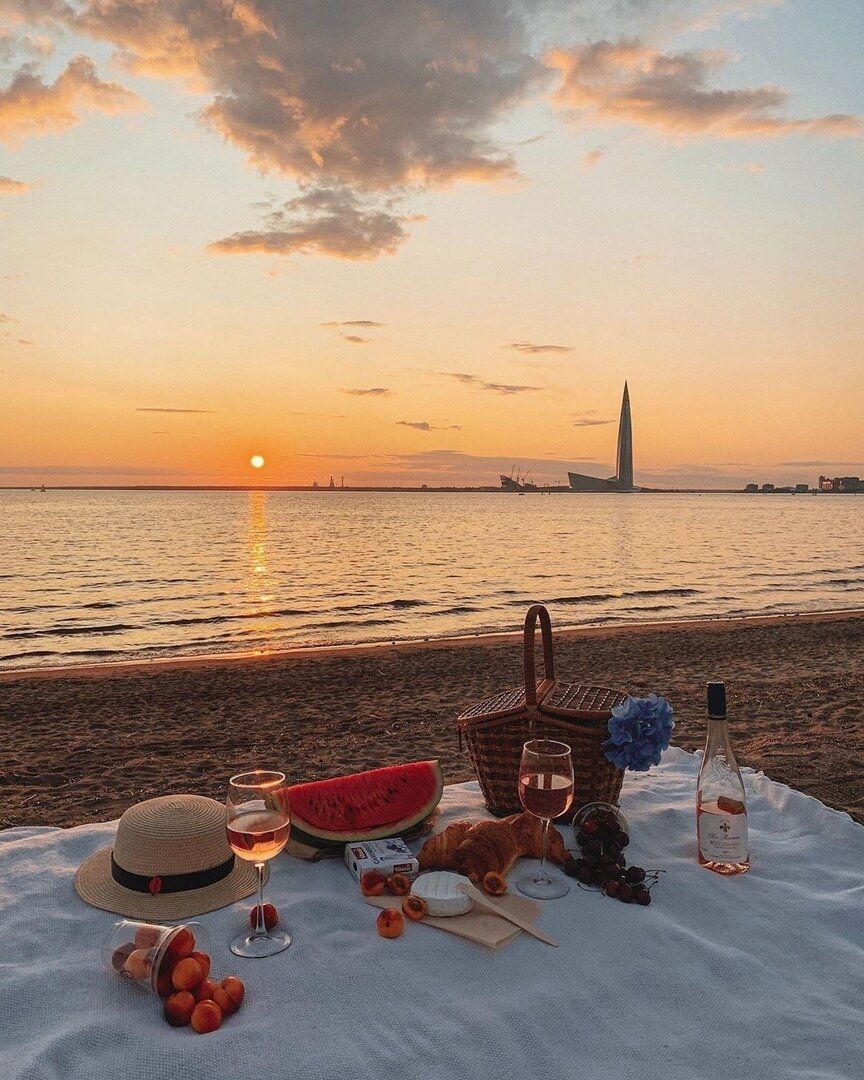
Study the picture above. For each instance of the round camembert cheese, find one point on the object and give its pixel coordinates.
(439, 889)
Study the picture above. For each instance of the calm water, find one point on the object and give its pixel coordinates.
(93, 576)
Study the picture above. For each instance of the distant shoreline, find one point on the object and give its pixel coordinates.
(560, 489)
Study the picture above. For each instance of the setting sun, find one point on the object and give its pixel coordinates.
(256, 461)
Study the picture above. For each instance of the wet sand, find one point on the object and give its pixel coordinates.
(83, 744)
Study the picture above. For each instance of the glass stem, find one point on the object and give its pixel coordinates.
(260, 928)
(543, 874)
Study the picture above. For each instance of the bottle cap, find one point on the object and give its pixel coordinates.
(717, 700)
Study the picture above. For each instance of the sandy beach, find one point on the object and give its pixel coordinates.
(82, 744)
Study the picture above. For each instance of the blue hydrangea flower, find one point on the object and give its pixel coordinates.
(639, 732)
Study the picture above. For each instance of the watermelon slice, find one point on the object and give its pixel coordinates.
(365, 806)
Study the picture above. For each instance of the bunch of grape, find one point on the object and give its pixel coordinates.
(602, 863)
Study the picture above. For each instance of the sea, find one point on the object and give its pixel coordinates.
(103, 575)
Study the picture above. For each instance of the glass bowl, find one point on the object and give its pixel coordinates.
(606, 825)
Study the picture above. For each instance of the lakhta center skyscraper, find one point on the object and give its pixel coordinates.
(623, 478)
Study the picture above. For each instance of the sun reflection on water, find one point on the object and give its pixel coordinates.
(258, 580)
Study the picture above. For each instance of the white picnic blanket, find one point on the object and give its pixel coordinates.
(759, 976)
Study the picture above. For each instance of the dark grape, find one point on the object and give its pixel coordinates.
(635, 875)
(583, 839)
(571, 867)
(585, 874)
(611, 887)
(590, 826)
(625, 893)
(642, 895)
(622, 839)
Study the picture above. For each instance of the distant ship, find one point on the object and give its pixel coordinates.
(517, 481)
(623, 478)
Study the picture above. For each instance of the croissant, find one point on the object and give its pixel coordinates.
(437, 852)
(475, 850)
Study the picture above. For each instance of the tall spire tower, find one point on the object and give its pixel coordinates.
(624, 461)
(623, 478)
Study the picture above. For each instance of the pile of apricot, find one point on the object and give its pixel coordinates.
(182, 979)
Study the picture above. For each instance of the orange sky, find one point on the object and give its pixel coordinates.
(408, 251)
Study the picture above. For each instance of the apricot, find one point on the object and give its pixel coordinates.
(205, 991)
(164, 985)
(494, 884)
(120, 954)
(187, 974)
(390, 923)
(206, 1017)
(414, 907)
(147, 936)
(203, 962)
(229, 994)
(271, 917)
(372, 883)
(137, 965)
(398, 885)
(178, 1008)
(182, 944)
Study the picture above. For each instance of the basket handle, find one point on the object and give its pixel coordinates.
(537, 611)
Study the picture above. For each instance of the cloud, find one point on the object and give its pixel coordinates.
(8, 186)
(354, 322)
(527, 347)
(630, 82)
(24, 341)
(355, 339)
(6, 318)
(752, 168)
(184, 412)
(497, 388)
(91, 470)
(372, 98)
(30, 107)
(335, 221)
(593, 157)
(373, 391)
(823, 464)
(587, 422)
(424, 425)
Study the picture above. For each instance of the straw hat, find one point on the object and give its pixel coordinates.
(170, 860)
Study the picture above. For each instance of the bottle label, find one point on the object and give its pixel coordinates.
(723, 837)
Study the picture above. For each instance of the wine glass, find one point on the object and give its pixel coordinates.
(546, 791)
(258, 825)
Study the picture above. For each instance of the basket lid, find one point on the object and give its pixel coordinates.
(580, 702)
(505, 703)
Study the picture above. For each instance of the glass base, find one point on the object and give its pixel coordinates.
(256, 946)
(542, 886)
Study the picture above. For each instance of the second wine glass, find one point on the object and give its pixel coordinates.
(546, 791)
(258, 825)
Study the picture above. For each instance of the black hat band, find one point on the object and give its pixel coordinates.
(156, 884)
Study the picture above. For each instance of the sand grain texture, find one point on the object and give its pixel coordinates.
(83, 746)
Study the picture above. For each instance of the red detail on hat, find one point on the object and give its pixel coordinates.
(154, 886)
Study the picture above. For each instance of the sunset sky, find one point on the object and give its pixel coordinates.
(423, 242)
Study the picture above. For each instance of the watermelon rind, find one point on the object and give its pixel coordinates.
(314, 835)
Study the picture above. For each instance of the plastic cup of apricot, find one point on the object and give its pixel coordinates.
(144, 953)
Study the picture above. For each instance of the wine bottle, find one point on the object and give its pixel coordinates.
(721, 805)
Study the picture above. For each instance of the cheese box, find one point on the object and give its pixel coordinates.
(388, 857)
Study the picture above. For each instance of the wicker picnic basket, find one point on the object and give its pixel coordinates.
(496, 729)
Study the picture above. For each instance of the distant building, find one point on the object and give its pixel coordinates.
(767, 487)
(623, 478)
(802, 489)
(841, 484)
(752, 487)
